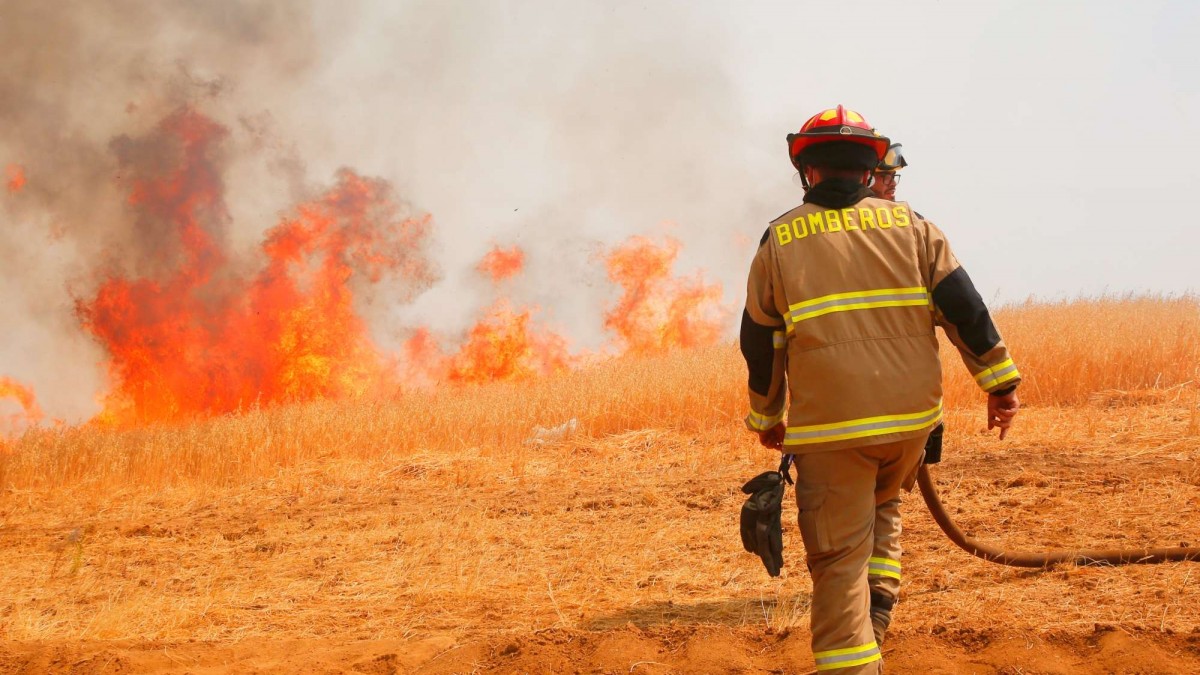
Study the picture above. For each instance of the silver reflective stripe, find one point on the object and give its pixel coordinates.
(840, 302)
(871, 426)
(884, 567)
(845, 658)
(998, 377)
(761, 422)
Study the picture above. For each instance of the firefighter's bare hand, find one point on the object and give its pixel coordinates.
(773, 437)
(1001, 410)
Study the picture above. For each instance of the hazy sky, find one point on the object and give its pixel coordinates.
(1054, 142)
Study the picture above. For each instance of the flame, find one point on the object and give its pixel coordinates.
(504, 345)
(30, 412)
(657, 311)
(203, 339)
(207, 333)
(500, 264)
(16, 177)
(422, 361)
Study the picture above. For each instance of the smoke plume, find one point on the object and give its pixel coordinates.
(411, 193)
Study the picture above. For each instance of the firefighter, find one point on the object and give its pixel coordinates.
(843, 296)
(885, 584)
(886, 174)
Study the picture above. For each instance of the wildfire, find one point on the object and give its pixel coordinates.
(500, 264)
(16, 177)
(202, 339)
(30, 412)
(504, 345)
(205, 332)
(657, 311)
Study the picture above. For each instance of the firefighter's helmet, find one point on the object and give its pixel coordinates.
(838, 138)
(893, 160)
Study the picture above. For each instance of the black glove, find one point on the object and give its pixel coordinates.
(933, 446)
(762, 532)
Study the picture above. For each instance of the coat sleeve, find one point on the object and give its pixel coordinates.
(764, 344)
(962, 314)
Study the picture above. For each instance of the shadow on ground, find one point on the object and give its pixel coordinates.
(776, 612)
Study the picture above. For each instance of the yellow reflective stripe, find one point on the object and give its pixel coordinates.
(868, 420)
(760, 422)
(850, 664)
(863, 427)
(911, 302)
(884, 567)
(845, 650)
(856, 294)
(778, 339)
(848, 657)
(914, 296)
(996, 375)
(987, 372)
(1005, 378)
(863, 434)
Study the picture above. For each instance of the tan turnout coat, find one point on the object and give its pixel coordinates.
(850, 294)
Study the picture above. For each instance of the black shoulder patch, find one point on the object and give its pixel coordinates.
(765, 237)
(960, 302)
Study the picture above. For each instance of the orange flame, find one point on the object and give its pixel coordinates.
(16, 177)
(204, 340)
(205, 336)
(30, 412)
(657, 311)
(505, 346)
(500, 264)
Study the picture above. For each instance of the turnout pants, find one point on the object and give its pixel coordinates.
(850, 522)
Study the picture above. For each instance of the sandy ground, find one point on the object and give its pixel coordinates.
(612, 555)
(664, 649)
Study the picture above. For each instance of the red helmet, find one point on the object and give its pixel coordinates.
(835, 125)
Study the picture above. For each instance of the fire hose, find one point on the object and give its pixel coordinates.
(1140, 556)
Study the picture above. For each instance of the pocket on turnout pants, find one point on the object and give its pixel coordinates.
(813, 528)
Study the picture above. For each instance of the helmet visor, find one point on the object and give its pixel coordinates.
(893, 159)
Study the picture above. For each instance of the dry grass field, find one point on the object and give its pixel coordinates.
(440, 532)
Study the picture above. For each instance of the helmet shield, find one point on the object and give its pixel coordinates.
(893, 159)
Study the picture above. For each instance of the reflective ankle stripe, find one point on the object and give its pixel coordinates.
(848, 657)
(862, 428)
(883, 567)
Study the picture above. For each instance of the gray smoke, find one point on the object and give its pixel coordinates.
(80, 82)
(510, 122)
